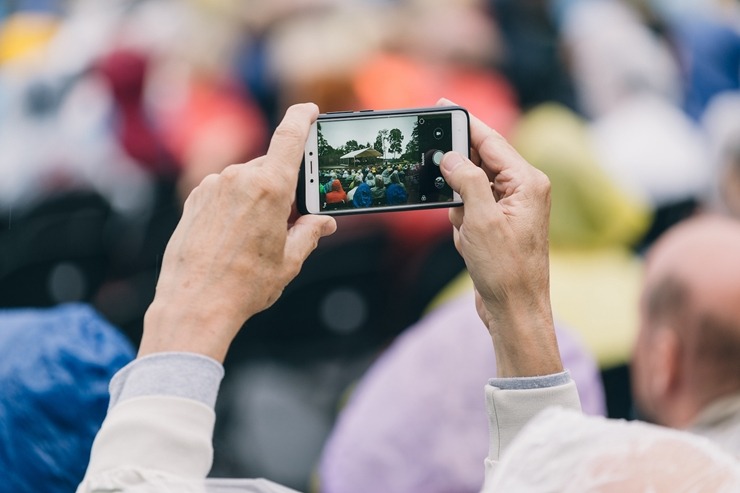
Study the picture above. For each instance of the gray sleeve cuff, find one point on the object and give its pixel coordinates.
(524, 383)
(188, 375)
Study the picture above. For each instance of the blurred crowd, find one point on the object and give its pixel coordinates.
(112, 112)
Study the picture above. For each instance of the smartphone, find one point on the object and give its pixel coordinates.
(373, 161)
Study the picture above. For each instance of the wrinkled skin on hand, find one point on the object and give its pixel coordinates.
(502, 233)
(233, 251)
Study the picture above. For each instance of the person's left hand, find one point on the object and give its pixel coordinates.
(233, 253)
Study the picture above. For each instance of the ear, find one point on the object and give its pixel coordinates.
(666, 375)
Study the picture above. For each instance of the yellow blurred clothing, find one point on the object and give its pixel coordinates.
(588, 209)
(24, 34)
(595, 276)
(597, 293)
(603, 316)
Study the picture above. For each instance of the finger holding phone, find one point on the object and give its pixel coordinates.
(233, 253)
(502, 233)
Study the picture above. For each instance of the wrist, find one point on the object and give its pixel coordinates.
(524, 340)
(188, 327)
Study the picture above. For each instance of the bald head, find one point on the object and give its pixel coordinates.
(703, 253)
(692, 290)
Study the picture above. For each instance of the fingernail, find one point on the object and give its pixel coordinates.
(452, 160)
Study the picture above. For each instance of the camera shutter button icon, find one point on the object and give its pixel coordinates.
(437, 157)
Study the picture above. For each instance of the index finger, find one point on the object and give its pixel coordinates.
(494, 150)
(289, 140)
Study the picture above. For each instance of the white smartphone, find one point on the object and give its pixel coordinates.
(373, 161)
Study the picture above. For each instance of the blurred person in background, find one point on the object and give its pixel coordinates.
(685, 364)
(648, 73)
(705, 36)
(105, 126)
(534, 57)
(722, 130)
(55, 367)
(652, 149)
(629, 86)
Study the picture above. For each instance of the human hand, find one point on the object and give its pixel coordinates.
(502, 233)
(233, 253)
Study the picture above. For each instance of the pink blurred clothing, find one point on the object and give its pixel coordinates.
(414, 422)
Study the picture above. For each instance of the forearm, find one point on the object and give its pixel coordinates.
(524, 339)
(190, 322)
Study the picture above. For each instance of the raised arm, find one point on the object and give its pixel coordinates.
(502, 233)
(230, 257)
(232, 253)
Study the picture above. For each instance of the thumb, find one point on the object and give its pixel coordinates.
(467, 179)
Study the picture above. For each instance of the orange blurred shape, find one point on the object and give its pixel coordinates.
(214, 126)
(209, 107)
(395, 81)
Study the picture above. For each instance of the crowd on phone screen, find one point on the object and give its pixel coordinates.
(368, 186)
(111, 112)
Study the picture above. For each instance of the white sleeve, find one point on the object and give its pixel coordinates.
(157, 436)
(151, 439)
(511, 408)
(159, 424)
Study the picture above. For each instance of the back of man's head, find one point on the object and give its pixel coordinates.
(688, 350)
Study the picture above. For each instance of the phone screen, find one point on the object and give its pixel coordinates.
(380, 162)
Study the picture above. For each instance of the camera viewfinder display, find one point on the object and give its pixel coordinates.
(383, 161)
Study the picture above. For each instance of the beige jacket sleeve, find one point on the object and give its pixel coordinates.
(157, 436)
(150, 440)
(509, 409)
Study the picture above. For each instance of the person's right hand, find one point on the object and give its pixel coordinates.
(502, 233)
